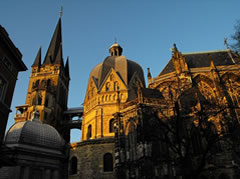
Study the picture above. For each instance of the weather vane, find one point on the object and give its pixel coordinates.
(61, 11)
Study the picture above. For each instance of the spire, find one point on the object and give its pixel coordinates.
(55, 45)
(59, 57)
(66, 68)
(61, 11)
(149, 76)
(37, 61)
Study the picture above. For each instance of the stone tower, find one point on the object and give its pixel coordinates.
(48, 86)
(107, 92)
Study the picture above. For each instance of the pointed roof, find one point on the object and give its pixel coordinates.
(37, 61)
(201, 59)
(59, 57)
(55, 45)
(66, 68)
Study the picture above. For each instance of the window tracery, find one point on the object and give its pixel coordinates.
(206, 91)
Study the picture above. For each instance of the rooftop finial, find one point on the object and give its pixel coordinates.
(61, 11)
(115, 40)
(226, 43)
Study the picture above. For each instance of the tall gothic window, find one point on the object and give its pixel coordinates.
(43, 84)
(89, 132)
(107, 162)
(39, 100)
(37, 84)
(73, 165)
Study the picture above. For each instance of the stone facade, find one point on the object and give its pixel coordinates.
(188, 130)
(107, 91)
(10, 64)
(90, 159)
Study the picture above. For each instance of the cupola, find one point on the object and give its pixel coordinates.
(115, 50)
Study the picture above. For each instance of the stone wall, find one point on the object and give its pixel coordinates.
(90, 156)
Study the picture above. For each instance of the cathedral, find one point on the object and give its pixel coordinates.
(183, 124)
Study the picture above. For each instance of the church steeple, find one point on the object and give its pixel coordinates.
(55, 46)
(48, 85)
(37, 61)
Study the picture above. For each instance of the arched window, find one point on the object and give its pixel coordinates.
(111, 125)
(89, 132)
(111, 77)
(107, 86)
(43, 84)
(37, 83)
(107, 162)
(73, 165)
(116, 86)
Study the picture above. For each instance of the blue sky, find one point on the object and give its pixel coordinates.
(146, 29)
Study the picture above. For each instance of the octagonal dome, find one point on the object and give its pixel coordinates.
(124, 67)
(34, 133)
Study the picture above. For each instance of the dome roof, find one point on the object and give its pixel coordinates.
(124, 67)
(34, 133)
(115, 45)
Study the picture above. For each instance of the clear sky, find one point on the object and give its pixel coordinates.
(146, 30)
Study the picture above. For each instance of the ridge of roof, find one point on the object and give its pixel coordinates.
(204, 52)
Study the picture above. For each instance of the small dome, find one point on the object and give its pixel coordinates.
(34, 133)
(115, 50)
(115, 45)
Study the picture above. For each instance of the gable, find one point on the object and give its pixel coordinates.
(112, 82)
(91, 89)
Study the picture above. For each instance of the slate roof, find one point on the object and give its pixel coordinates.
(146, 92)
(55, 48)
(201, 59)
(37, 61)
(124, 67)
